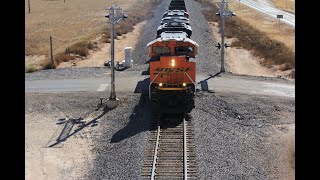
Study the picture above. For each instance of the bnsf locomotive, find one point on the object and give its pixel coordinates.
(172, 67)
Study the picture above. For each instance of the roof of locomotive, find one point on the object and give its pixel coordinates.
(175, 12)
(173, 35)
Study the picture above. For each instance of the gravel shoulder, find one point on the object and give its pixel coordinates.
(67, 73)
(239, 136)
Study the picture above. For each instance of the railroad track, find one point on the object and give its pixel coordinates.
(170, 151)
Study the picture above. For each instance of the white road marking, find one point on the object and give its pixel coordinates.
(102, 87)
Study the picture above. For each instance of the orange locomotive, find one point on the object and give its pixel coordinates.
(172, 68)
(172, 73)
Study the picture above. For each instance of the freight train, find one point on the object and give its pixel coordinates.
(172, 62)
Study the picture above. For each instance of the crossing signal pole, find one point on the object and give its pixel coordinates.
(115, 16)
(223, 11)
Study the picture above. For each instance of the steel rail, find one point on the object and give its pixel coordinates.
(185, 170)
(153, 170)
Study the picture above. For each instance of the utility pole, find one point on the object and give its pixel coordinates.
(223, 11)
(222, 5)
(115, 15)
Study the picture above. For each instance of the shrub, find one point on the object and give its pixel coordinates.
(31, 69)
(80, 48)
(118, 33)
(47, 64)
(62, 57)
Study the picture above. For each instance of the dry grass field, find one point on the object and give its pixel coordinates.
(286, 5)
(68, 23)
(284, 34)
(72, 24)
(259, 34)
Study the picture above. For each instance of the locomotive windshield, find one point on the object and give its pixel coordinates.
(183, 50)
(161, 50)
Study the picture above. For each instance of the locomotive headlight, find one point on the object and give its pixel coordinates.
(160, 84)
(184, 84)
(173, 63)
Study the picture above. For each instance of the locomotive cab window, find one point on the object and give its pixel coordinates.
(161, 50)
(183, 50)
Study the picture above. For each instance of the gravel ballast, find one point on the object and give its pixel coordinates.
(208, 57)
(140, 54)
(120, 149)
(67, 73)
(232, 136)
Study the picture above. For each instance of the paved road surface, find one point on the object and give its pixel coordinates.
(288, 18)
(127, 82)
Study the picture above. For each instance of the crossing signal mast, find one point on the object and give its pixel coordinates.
(223, 12)
(115, 16)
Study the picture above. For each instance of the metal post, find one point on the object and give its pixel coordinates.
(222, 14)
(113, 92)
(29, 5)
(51, 52)
(113, 19)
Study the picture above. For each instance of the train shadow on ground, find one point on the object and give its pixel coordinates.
(142, 119)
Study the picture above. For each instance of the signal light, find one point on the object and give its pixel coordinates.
(160, 84)
(184, 84)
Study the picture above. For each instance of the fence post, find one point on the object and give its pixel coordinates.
(51, 52)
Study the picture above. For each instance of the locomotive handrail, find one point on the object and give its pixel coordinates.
(189, 77)
(151, 83)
